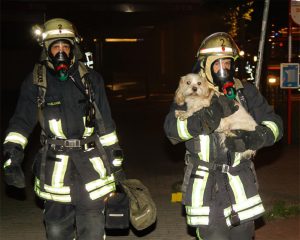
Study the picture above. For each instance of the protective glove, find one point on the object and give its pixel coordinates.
(13, 173)
(210, 117)
(248, 140)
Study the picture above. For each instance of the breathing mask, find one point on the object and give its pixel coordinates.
(60, 53)
(222, 71)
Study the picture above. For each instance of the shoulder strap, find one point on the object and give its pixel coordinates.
(240, 94)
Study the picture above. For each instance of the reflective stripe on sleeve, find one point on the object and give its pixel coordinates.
(17, 138)
(109, 139)
(56, 128)
(182, 129)
(273, 128)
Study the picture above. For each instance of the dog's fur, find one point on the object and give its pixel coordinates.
(196, 92)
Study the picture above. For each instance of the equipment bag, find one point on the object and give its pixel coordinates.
(117, 211)
(142, 207)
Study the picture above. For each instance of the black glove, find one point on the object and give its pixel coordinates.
(248, 140)
(13, 173)
(210, 117)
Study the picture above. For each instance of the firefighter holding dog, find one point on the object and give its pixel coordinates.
(80, 159)
(220, 191)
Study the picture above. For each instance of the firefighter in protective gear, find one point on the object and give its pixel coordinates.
(219, 188)
(79, 162)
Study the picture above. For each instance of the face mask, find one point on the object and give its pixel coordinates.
(223, 78)
(61, 64)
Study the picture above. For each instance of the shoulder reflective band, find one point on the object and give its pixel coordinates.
(182, 129)
(17, 138)
(56, 128)
(98, 166)
(109, 139)
(273, 128)
(59, 171)
(216, 50)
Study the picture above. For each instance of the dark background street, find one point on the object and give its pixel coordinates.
(141, 79)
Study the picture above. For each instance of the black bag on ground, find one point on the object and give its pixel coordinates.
(117, 211)
(142, 207)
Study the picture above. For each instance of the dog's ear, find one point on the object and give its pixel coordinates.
(179, 97)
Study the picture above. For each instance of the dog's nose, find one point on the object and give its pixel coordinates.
(194, 89)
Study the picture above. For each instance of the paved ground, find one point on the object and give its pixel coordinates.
(151, 158)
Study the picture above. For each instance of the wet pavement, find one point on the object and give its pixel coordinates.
(151, 158)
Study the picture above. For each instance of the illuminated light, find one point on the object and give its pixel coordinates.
(280, 44)
(242, 53)
(122, 39)
(38, 32)
(270, 40)
(272, 80)
(255, 58)
(95, 39)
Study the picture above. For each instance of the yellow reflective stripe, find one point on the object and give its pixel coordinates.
(197, 210)
(109, 139)
(17, 138)
(7, 163)
(199, 220)
(249, 213)
(51, 189)
(99, 183)
(59, 171)
(87, 130)
(98, 166)
(237, 159)
(198, 189)
(273, 128)
(250, 202)
(50, 196)
(56, 128)
(182, 129)
(204, 146)
(117, 162)
(216, 50)
(237, 188)
(102, 191)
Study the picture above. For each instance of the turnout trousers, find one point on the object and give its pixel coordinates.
(83, 219)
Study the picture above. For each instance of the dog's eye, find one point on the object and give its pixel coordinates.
(188, 82)
(199, 83)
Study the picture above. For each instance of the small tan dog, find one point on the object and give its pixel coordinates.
(196, 92)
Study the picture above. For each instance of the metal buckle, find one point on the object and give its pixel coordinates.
(225, 168)
(72, 143)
